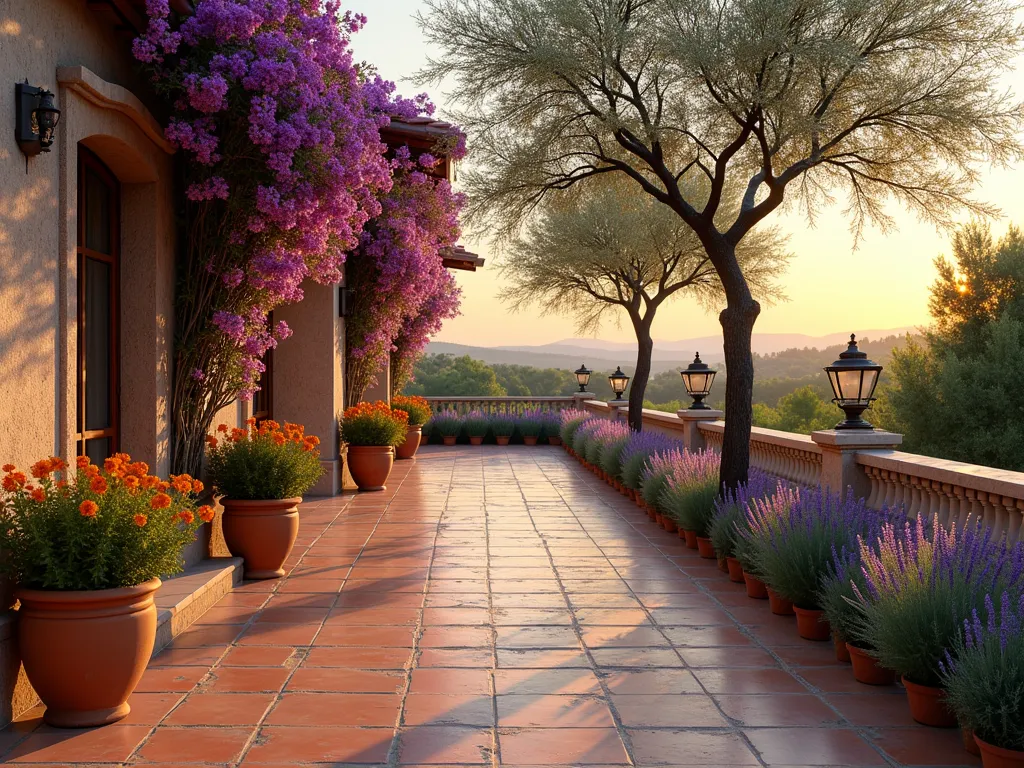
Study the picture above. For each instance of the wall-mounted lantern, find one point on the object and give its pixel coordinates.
(583, 377)
(618, 380)
(36, 117)
(344, 301)
(698, 378)
(853, 378)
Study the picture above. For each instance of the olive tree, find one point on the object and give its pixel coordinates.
(609, 249)
(775, 101)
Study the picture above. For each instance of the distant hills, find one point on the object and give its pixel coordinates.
(668, 355)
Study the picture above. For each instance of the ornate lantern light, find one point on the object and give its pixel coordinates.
(853, 378)
(36, 117)
(583, 377)
(698, 378)
(618, 380)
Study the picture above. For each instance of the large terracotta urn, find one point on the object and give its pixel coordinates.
(262, 532)
(413, 437)
(85, 651)
(370, 465)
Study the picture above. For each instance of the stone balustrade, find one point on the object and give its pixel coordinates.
(496, 405)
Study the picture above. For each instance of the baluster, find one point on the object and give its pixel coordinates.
(876, 487)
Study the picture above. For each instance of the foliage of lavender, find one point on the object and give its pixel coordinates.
(795, 534)
(446, 424)
(502, 425)
(530, 422)
(983, 673)
(612, 453)
(640, 447)
(570, 420)
(581, 438)
(551, 424)
(691, 489)
(730, 510)
(922, 581)
(602, 436)
(476, 424)
(282, 166)
(655, 474)
(401, 291)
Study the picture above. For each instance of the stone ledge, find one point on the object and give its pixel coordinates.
(181, 601)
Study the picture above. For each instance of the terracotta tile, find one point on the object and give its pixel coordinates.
(358, 658)
(292, 614)
(455, 637)
(748, 681)
(373, 637)
(170, 679)
(872, 709)
(689, 748)
(809, 654)
(537, 637)
(187, 657)
(333, 680)
(813, 746)
(612, 617)
(187, 745)
(525, 617)
(727, 657)
(551, 711)
(461, 657)
(222, 709)
(706, 637)
(448, 709)
(668, 711)
(205, 636)
(756, 710)
(279, 634)
(259, 657)
(246, 679)
(374, 617)
(840, 680)
(336, 709)
(549, 746)
(651, 681)
(552, 681)
(923, 746)
(636, 657)
(445, 744)
(291, 745)
(552, 658)
(149, 708)
(456, 681)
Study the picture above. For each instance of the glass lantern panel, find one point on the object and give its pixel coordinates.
(850, 384)
(870, 380)
(699, 383)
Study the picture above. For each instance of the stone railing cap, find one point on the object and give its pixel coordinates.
(989, 479)
(856, 438)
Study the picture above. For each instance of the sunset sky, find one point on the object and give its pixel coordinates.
(831, 287)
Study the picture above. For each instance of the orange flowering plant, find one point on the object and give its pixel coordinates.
(374, 424)
(263, 461)
(97, 527)
(417, 407)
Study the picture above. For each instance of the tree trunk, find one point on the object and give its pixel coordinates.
(644, 349)
(737, 321)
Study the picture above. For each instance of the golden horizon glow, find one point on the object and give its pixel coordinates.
(832, 286)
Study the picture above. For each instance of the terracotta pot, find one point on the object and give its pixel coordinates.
(413, 438)
(722, 565)
(997, 757)
(262, 532)
(85, 651)
(735, 570)
(681, 534)
(476, 439)
(970, 742)
(866, 668)
(928, 705)
(529, 439)
(755, 587)
(424, 439)
(659, 520)
(691, 539)
(449, 439)
(842, 652)
(552, 440)
(669, 524)
(652, 513)
(502, 439)
(370, 465)
(705, 547)
(780, 606)
(809, 624)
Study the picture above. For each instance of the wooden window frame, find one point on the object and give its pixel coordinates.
(87, 161)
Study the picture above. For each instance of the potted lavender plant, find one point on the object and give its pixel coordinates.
(571, 420)
(448, 425)
(654, 481)
(551, 425)
(689, 497)
(476, 425)
(923, 581)
(502, 427)
(843, 583)
(730, 512)
(529, 425)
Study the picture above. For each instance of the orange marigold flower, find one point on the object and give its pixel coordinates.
(38, 494)
(182, 483)
(140, 520)
(271, 425)
(42, 468)
(8, 467)
(98, 485)
(237, 434)
(138, 468)
(92, 471)
(206, 513)
(149, 481)
(112, 464)
(57, 463)
(88, 508)
(222, 427)
(82, 462)
(211, 441)
(132, 482)
(62, 483)
(160, 501)
(9, 484)
(251, 421)
(186, 516)
(14, 481)
(313, 440)
(197, 486)
(278, 438)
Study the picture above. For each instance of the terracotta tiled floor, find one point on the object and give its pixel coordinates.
(495, 606)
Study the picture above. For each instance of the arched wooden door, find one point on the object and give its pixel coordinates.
(97, 426)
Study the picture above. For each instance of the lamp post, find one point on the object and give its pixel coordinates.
(698, 378)
(853, 378)
(583, 377)
(618, 380)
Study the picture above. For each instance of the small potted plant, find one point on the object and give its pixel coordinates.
(690, 497)
(261, 472)
(418, 411)
(730, 515)
(551, 425)
(502, 427)
(529, 425)
(86, 552)
(570, 421)
(476, 425)
(983, 675)
(841, 587)
(611, 459)
(371, 431)
(448, 425)
(654, 481)
(923, 582)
